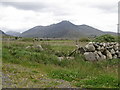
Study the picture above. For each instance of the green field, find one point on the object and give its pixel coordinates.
(33, 68)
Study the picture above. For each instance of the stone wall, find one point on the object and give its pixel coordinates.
(95, 51)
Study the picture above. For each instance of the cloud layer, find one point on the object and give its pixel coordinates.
(20, 15)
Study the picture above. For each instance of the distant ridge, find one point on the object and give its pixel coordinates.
(2, 33)
(63, 29)
(13, 33)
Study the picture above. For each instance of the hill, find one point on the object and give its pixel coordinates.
(13, 33)
(64, 29)
(2, 33)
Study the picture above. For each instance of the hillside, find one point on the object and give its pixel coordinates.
(64, 29)
(13, 33)
(2, 33)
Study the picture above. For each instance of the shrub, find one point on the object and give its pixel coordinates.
(105, 38)
(85, 39)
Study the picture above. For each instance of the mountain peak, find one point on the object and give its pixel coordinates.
(65, 22)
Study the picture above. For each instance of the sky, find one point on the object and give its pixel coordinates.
(21, 15)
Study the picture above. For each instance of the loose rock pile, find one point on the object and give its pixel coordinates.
(95, 51)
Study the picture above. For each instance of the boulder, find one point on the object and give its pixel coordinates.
(90, 56)
(90, 47)
(101, 56)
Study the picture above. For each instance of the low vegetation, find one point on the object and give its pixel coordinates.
(106, 38)
(31, 65)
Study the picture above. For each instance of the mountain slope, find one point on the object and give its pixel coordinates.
(64, 29)
(90, 31)
(13, 33)
(2, 33)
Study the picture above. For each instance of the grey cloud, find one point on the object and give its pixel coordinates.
(26, 5)
(38, 6)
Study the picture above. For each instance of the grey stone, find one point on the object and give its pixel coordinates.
(103, 57)
(108, 54)
(98, 48)
(28, 47)
(118, 54)
(99, 53)
(39, 47)
(90, 56)
(102, 49)
(82, 50)
(115, 47)
(90, 47)
(104, 44)
(112, 51)
(115, 56)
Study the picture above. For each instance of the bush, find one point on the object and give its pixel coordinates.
(105, 38)
(84, 39)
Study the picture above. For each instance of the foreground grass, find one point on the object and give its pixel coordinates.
(32, 64)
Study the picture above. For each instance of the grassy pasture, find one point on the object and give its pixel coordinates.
(34, 68)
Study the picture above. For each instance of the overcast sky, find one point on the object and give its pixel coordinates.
(21, 15)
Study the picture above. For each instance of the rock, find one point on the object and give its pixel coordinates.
(115, 56)
(101, 44)
(28, 47)
(98, 49)
(101, 56)
(90, 47)
(104, 44)
(118, 54)
(39, 47)
(60, 58)
(95, 45)
(99, 53)
(102, 49)
(108, 55)
(112, 51)
(70, 57)
(90, 56)
(115, 47)
(82, 50)
(96, 55)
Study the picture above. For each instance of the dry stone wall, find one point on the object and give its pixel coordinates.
(95, 51)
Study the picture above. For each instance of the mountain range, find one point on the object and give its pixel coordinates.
(63, 29)
(13, 33)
